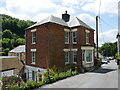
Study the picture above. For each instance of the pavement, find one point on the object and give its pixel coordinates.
(105, 77)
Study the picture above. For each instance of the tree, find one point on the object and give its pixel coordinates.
(6, 43)
(20, 41)
(108, 49)
(6, 51)
(7, 34)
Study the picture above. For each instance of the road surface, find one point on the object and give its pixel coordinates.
(105, 77)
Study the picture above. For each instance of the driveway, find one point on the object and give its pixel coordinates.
(105, 77)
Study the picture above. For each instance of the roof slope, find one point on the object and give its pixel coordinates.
(20, 48)
(51, 19)
(73, 23)
(77, 22)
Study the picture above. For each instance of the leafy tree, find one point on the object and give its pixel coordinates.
(6, 51)
(15, 25)
(20, 41)
(108, 49)
(13, 32)
(6, 43)
(2, 54)
(7, 34)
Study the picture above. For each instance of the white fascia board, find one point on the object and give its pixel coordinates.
(67, 30)
(74, 30)
(74, 49)
(87, 48)
(33, 30)
(33, 50)
(67, 50)
(87, 31)
(34, 68)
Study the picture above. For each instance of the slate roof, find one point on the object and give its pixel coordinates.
(51, 19)
(73, 23)
(20, 48)
(77, 22)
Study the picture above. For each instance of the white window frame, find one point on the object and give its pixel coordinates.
(68, 58)
(33, 58)
(67, 35)
(86, 51)
(87, 36)
(74, 53)
(33, 37)
(74, 37)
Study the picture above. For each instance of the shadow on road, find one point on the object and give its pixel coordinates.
(104, 70)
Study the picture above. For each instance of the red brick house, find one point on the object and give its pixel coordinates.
(56, 41)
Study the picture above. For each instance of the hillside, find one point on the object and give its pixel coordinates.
(15, 25)
(13, 32)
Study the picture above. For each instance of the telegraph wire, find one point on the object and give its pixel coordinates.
(107, 23)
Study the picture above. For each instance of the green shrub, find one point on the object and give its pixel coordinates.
(54, 74)
(11, 80)
(2, 53)
(13, 87)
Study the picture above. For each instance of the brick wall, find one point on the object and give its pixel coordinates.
(50, 45)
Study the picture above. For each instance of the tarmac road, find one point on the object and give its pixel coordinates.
(105, 77)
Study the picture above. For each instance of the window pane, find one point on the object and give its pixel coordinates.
(74, 56)
(89, 55)
(74, 36)
(33, 57)
(33, 37)
(33, 75)
(87, 37)
(83, 54)
(66, 56)
(67, 37)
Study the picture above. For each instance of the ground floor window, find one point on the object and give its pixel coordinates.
(33, 75)
(83, 55)
(74, 57)
(88, 55)
(67, 57)
(70, 56)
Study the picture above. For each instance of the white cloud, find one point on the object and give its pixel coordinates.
(108, 36)
(39, 9)
(89, 20)
(70, 2)
(34, 10)
(110, 6)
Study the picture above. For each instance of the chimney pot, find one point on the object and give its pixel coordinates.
(66, 17)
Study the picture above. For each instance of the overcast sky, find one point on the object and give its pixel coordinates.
(85, 10)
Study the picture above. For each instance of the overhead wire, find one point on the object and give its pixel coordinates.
(107, 23)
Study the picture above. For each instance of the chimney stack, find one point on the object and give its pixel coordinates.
(66, 17)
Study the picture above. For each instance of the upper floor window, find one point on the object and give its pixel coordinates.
(33, 37)
(87, 37)
(74, 37)
(74, 57)
(67, 34)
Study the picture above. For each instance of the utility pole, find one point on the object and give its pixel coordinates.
(97, 36)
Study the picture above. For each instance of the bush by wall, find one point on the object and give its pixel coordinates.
(51, 75)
